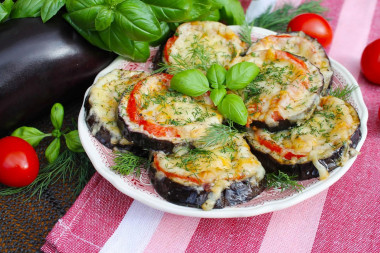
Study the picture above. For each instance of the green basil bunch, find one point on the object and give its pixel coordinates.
(34, 136)
(126, 27)
(193, 82)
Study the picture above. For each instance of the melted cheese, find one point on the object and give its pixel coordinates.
(104, 97)
(288, 88)
(190, 116)
(219, 43)
(299, 44)
(329, 129)
(217, 167)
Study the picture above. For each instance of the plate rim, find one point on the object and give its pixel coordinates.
(228, 212)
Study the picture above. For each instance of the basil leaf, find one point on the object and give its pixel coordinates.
(137, 21)
(232, 12)
(85, 18)
(216, 74)
(199, 8)
(169, 10)
(27, 9)
(233, 108)
(191, 82)
(73, 141)
(211, 16)
(113, 3)
(5, 10)
(50, 8)
(241, 74)
(91, 36)
(115, 40)
(52, 151)
(76, 5)
(104, 19)
(30, 134)
(217, 95)
(165, 35)
(56, 115)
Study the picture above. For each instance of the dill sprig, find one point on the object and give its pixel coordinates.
(193, 155)
(278, 20)
(245, 33)
(197, 57)
(68, 165)
(283, 181)
(127, 163)
(218, 135)
(342, 92)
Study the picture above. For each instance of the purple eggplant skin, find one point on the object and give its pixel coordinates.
(306, 170)
(41, 64)
(239, 192)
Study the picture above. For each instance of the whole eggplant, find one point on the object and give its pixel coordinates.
(41, 64)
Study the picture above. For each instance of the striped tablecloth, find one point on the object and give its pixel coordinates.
(344, 218)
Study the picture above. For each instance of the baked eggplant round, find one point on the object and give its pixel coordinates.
(101, 106)
(208, 177)
(157, 118)
(299, 43)
(202, 42)
(326, 141)
(286, 91)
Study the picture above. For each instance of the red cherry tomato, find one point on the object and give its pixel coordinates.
(18, 162)
(370, 62)
(313, 25)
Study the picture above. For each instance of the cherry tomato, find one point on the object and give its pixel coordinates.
(18, 162)
(370, 62)
(313, 25)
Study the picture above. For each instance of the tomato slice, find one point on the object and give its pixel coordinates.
(276, 148)
(292, 58)
(134, 113)
(276, 116)
(168, 46)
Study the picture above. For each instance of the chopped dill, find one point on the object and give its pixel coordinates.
(197, 57)
(283, 181)
(68, 165)
(342, 92)
(278, 20)
(218, 135)
(127, 163)
(245, 33)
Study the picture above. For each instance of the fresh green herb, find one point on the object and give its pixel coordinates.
(245, 33)
(217, 95)
(343, 92)
(197, 57)
(34, 136)
(27, 8)
(241, 74)
(5, 10)
(216, 76)
(231, 12)
(218, 135)
(233, 108)
(190, 82)
(127, 163)
(50, 8)
(278, 19)
(194, 155)
(170, 11)
(283, 181)
(69, 165)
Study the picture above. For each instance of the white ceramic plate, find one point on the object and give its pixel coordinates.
(268, 201)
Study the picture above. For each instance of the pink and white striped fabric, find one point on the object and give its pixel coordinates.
(344, 218)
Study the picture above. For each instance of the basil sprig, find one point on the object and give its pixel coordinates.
(126, 27)
(34, 136)
(193, 82)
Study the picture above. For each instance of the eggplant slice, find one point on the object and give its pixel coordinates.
(202, 42)
(286, 91)
(101, 107)
(326, 141)
(299, 43)
(208, 177)
(157, 118)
